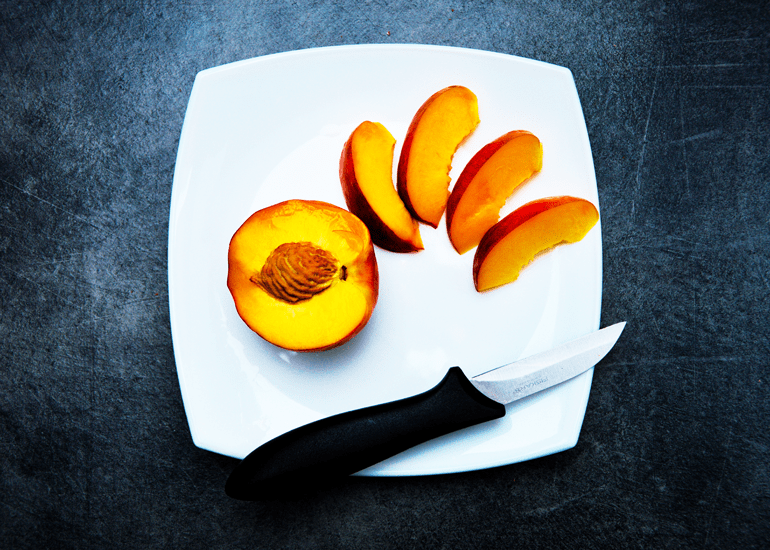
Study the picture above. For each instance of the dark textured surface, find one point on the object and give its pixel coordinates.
(94, 446)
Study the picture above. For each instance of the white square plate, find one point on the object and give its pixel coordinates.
(272, 128)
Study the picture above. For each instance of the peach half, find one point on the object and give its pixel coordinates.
(534, 228)
(303, 274)
(438, 128)
(486, 182)
(366, 174)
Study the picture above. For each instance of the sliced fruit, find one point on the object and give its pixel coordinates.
(303, 274)
(486, 182)
(537, 226)
(366, 174)
(438, 128)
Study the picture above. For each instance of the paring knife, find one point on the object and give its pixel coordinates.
(317, 454)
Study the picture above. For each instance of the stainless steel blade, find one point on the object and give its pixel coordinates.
(543, 370)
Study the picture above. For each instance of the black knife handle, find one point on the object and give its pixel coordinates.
(314, 455)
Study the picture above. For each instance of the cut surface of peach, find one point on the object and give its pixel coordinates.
(485, 183)
(438, 128)
(303, 274)
(366, 175)
(534, 228)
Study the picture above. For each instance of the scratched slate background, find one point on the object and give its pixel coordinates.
(94, 447)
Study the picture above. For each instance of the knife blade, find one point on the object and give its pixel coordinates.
(316, 455)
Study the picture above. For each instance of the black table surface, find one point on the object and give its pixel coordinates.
(95, 451)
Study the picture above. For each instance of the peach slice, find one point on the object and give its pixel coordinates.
(303, 274)
(438, 128)
(486, 182)
(366, 174)
(537, 226)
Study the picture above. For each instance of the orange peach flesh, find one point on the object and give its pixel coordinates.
(534, 228)
(440, 126)
(372, 148)
(329, 318)
(485, 184)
